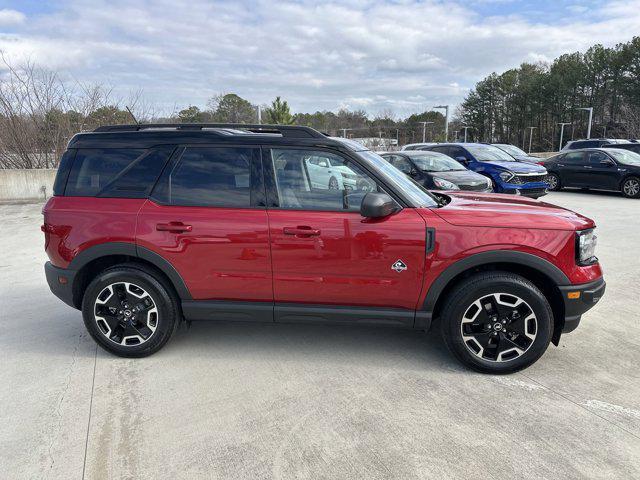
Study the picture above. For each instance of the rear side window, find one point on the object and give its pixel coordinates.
(574, 158)
(63, 172)
(94, 168)
(209, 177)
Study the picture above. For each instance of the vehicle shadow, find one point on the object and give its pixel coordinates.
(607, 193)
(327, 343)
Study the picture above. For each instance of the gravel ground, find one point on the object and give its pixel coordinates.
(290, 401)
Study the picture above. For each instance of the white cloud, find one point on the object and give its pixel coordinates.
(407, 56)
(11, 17)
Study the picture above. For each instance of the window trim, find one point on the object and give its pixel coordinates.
(273, 200)
(257, 192)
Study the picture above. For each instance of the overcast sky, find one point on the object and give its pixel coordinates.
(401, 55)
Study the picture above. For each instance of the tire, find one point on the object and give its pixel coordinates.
(129, 301)
(554, 182)
(500, 343)
(630, 187)
(333, 183)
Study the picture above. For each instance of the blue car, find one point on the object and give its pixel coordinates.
(508, 175)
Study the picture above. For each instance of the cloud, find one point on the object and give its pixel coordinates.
(405, 55)
(11, 17)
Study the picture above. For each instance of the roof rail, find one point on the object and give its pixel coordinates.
(295, 131)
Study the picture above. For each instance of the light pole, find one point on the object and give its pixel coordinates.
(531, 137)
(465, 132)
(590, 110)
(562, 124)
(446, 121)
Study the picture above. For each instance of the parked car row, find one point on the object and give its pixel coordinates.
(476, 166)
(151, 225)
(610, 164)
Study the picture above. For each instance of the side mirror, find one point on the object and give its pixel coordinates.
(607, 162)
(464, 160)
(377, 205)
(413, 172)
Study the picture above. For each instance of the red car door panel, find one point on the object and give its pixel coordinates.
(348, 259)
(220, 253)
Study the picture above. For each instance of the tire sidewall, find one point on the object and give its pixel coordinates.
(557, 177)
(624, 182)
(165, 304)
(461, 301)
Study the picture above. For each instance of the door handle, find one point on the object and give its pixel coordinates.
(302, 231)
(560, 164)
(173, 227)
(588, 166)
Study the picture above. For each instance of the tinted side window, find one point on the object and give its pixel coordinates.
(455, 152)
(575, 158)
(402, 164)
(94, 168)
(63, 172)
(300, 185)
(597, 157)
(209, 177)
(444, 150)
(137, 180)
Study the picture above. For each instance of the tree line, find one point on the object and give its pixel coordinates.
(503, 107)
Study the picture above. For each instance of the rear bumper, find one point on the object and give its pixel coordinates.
(60, 282)
(578, 299)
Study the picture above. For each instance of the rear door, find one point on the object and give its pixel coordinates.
(572, 169)
(207, 217)
(325, 253)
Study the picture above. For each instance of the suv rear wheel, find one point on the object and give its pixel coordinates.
(497, 322)
(128, 312)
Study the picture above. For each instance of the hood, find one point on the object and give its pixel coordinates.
(461, 177)
(496, 210)
(518, 167)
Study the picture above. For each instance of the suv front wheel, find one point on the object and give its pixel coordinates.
(128, 312)
(497, 322)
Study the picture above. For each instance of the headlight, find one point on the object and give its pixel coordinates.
(445, 184)
(507, 176)
(586, 241)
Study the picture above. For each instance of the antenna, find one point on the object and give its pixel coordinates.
(132, 115)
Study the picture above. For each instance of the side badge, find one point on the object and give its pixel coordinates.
(399, 266)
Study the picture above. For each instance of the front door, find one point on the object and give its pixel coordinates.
(602, 171)
(207, 218)
(324, 252)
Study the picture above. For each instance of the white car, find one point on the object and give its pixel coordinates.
(323, 174)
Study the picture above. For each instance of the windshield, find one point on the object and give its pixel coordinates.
(418, 195)
(489, 153)
(436, 162)
(624, 156)
(512, 150)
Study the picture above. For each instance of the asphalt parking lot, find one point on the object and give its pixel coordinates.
(285, 401)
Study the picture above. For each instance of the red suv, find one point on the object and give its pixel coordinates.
(154, 224)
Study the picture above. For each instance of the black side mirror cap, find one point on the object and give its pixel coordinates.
(378, 205)
(462, 159)
(607, 161)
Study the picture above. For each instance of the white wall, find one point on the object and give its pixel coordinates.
(28, 184)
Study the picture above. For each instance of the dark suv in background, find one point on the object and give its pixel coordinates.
(592, 143)
(153, 224)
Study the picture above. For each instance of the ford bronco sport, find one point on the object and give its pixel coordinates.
(150, 225)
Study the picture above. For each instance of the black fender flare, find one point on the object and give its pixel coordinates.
(132, 250)
(491, 257)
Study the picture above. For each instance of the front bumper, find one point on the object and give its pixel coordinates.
(578, 299)
(60, 282)
(531, 189)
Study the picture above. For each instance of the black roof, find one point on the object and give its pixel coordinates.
(147, 135)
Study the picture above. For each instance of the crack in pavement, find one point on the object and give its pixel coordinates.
(86, 441)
